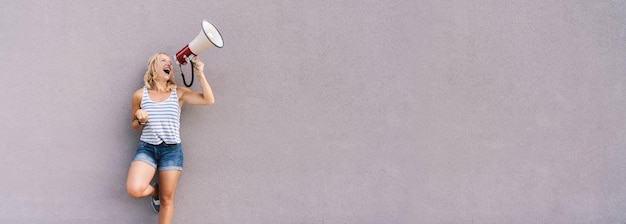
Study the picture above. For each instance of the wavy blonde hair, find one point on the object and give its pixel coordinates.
(148, 78)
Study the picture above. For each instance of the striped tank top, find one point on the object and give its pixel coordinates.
(163, 119)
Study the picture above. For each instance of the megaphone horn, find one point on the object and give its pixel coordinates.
(209, 35)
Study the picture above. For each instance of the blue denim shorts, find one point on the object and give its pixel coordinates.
(162, 157)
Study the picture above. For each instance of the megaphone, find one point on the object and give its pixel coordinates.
(208, 36)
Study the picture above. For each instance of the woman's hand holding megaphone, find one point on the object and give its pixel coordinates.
(198, 65)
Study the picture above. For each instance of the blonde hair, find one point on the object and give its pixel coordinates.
(148, 78)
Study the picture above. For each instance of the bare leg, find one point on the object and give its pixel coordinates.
(138, 180)
(167, 188)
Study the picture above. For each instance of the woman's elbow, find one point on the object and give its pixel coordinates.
(209, 102)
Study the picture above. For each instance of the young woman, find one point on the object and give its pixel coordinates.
(156, 112)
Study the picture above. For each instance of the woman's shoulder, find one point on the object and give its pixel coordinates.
(138, 93)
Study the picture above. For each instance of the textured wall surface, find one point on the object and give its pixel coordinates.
(393, 111)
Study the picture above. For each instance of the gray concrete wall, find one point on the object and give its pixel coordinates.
(327, 111)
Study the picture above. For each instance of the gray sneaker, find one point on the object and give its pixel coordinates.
(154, 200)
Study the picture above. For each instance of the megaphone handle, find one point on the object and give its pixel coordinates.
(192, 75)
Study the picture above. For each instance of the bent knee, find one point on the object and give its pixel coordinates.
(135, 194)
(136, 191)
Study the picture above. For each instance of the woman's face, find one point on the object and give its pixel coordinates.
(163, 67)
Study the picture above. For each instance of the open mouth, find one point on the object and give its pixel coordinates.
(166, 70)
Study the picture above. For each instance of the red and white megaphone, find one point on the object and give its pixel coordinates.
(209, 35)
